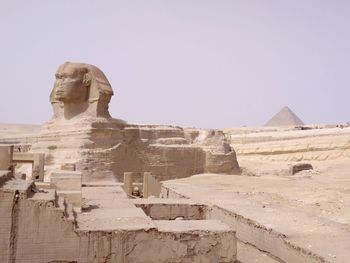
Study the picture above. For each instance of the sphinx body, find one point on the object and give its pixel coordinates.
(82, 133)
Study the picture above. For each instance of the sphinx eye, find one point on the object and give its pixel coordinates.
(58, 76)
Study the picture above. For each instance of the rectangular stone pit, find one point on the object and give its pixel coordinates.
(177, 241)
(200, 240)
(186, 241)
(170, 209)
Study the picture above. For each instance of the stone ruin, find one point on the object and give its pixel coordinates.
(76, 208)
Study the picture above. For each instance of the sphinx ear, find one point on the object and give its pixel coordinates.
(87, 80)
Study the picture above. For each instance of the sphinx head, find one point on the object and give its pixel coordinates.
(72, 83)
(80, 89)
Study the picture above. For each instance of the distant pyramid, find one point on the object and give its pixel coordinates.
(286, 117)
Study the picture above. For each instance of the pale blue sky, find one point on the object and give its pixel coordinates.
(209, 64)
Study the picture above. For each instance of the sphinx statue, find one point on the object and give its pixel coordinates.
(81, 129)
(82, 134)
(80, 91)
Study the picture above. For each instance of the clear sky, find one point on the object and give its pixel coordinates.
(209, 64)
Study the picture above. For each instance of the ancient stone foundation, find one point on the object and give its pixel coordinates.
(39, 227)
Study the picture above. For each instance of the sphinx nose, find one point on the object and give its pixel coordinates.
(59, 83)
(59, 88)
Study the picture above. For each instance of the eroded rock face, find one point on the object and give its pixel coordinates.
(82, 132)
(219, 155)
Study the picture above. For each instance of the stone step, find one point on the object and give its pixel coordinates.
(66, 207)
(59, 202)
(66, 180)
(72, 197)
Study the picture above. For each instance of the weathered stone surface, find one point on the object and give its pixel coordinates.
(66, 180)
(319, 143)
(151, 186)
(219, 155)
(171, 209)
(68, 167)
(6, 157)
(128, 183)
(80, 90)
(35, 228)
(36, 159)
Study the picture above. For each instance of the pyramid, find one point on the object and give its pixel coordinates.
(286, 117)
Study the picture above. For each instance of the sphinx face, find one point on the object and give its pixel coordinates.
(69, 85)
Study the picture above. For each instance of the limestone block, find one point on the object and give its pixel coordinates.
(73, 197)
(6, 155)
(170, 209)
(295, 168)
(174, 161)
(172, 141)
(42, 185)
(68, 167)
(210, 240)
(151, 186)
(66, 180)
(155, 132)
(128, 180)
(221, 162)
